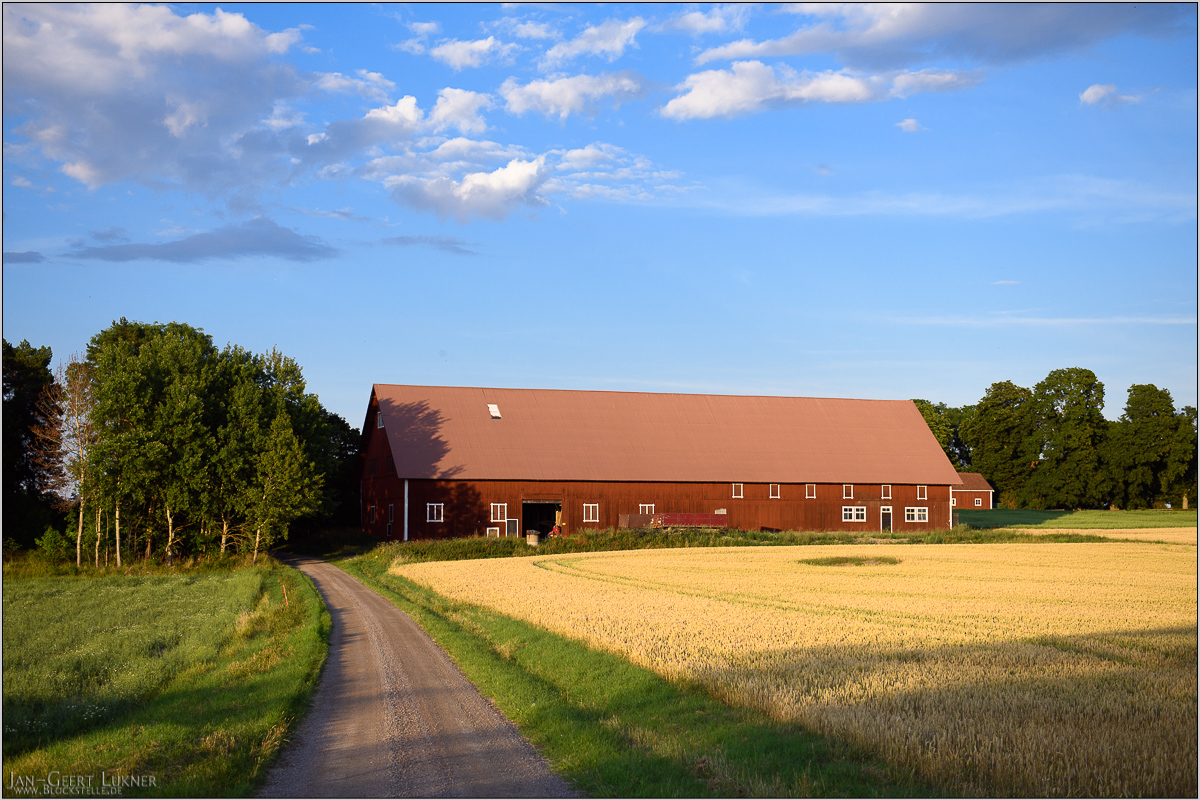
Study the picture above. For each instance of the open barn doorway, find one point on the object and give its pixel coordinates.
(540, 515)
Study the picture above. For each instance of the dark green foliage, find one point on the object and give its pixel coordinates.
(945, 424)
(1067, 434)
(28, 506)
(199, 448)
(997, 434)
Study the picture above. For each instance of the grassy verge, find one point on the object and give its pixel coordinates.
(1089, 519)
(617, 730)
(641, 539)
(185, 684)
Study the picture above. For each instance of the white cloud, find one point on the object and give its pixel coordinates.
(424, 28)
(722, 18)
(588, 158)
(910, 125)
(751, 86)
(928, 80)
(371, 85)
(608, 39)
(114, 92)
(460, 55)
(574, 95)
(283, 116)
(461, 109)
(1106, 94)
(533, 30)
(491, 195)
(895, 35)
(403, 114)
(1091, 200)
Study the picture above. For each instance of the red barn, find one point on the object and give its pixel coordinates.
(453, 461)
(975, 492)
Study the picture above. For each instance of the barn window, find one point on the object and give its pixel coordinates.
(378, 420)
(391, 514)
(774, 491)
(646, 508)
(591, 512)
(494, 410)
(953, 501)
(371, 514)
(916, 514)
(922, 492)
(978, 501)
(854, 513)
(885, 492)
(499, 512)
(737, 490)
(434, 512)
(391, 465)
(372, 466)
(847, 491)
(810, 491)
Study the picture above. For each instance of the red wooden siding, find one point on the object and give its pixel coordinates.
(467, 505)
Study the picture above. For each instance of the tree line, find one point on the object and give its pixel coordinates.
(1051, 446)
(161, 445)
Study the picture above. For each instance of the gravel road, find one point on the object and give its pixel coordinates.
(394, 717)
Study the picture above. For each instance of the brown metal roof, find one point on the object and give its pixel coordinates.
(548, 434)
(973, 482)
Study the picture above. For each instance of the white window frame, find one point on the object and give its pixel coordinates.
(645, 508)
(922, 492)
(979, 502)
(378, 420)
(916, 513)
(885, 492)
(953, 502)
(499, 512)
(739, 490)
(847, 491)
(810, 491)
(435, 512)
(371, 513)
(854, 513)
(391, 513)
(774, 491)
(591, 512)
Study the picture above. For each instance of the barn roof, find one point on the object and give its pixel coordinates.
(973, 482)
(548, 434)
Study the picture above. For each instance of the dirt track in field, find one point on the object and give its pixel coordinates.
(393, 716)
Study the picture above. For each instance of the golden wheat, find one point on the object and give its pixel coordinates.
(1027, 669)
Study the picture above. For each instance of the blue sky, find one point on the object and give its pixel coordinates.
(831, 201)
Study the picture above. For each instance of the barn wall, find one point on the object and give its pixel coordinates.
(466, 505)
(966, 499)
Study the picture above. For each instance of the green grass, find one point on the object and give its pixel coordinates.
(194, 679)
(849, 561)
(1098, 520)
(617, 730)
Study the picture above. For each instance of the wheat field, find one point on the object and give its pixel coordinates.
(1014, 669)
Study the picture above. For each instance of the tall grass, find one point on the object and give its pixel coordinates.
(193, 679)
(467, 549)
